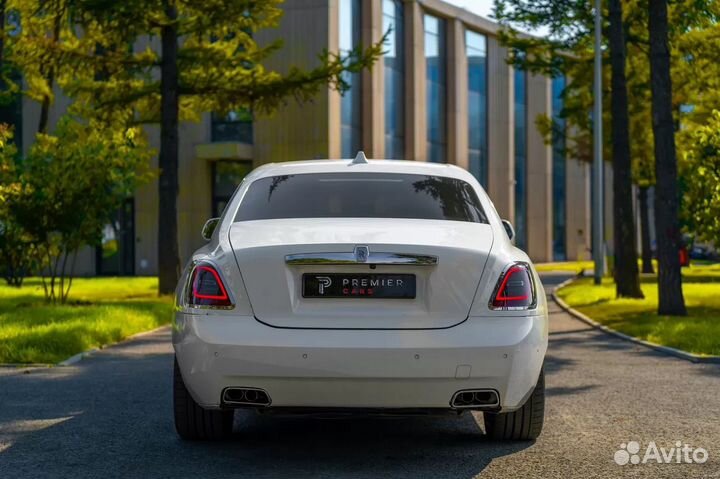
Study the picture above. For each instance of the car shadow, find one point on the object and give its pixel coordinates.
(358, 446)
(111, 416)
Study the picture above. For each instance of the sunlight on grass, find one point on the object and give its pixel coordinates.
(697, 333)
(695, 270)
(570, 266)
(101, 311)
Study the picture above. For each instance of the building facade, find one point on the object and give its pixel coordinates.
(443, 92)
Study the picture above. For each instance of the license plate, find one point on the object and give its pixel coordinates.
(337, 285)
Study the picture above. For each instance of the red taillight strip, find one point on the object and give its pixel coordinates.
(510, 272)
(223, 297)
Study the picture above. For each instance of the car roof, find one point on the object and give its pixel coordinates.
(371, 166)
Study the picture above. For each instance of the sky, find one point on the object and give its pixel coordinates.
(481, 7)
(484, 9)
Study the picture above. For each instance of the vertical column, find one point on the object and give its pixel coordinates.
(501, 119)
(609, 224)
(457, 98)
(333, 97)
(373, 118)
(304, 130)
(539, 175)
(415, 94)
(577, 184)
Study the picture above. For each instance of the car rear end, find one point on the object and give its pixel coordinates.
(377, 287)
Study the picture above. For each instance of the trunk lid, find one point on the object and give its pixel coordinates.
(444, 291)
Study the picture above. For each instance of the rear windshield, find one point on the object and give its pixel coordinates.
(361, 195)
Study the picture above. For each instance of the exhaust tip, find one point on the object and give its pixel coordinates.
(245, 397)
(475, 399)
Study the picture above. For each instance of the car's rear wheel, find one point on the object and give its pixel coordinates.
(525, 424)
(194, 422)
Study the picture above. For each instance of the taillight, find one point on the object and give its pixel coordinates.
(515, 289)
(207, 289)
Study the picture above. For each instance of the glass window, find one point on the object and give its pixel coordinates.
(350, 104)
(520, 135)
(394, 80)
(436, 88)
(235, 126)
(226, 176)
(361, 195)
(115, 255)
(558, 172)
(476, 49)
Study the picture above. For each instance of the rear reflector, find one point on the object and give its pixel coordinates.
(207, 288)
(515, 289)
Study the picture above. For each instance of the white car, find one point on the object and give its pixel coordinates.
(385, 287)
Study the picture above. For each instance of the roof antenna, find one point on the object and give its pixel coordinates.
(360, 159)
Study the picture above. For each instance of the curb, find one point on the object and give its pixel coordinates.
(678, 353)
(80, 356)
(72, 360)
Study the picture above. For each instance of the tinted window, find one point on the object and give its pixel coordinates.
(361, 195)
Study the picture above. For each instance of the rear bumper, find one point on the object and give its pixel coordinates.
(396, 369)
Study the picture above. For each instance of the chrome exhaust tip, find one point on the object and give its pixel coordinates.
(245, 397)
(475, 399)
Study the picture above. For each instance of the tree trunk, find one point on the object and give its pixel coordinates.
(50, 78)
(667, 231)
(3, 7)
(647, 266)
(168, 255)
(627, 277)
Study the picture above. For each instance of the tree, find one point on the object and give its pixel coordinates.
(66, 190)
(701, 161)
(567, 50)
(670, 295)
(18, 254)
(207, 60)
(627, 278)
(641, 146)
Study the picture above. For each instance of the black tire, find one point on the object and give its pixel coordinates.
(525, 424)
(192, 422)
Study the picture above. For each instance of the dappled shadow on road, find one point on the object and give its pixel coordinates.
(555, 363)
(707, 369)
(565, 390)
(571, 331)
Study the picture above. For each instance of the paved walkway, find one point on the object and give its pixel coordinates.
(110, 416)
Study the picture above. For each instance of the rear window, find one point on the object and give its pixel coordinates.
(361, 195)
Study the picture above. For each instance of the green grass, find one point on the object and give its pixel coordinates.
(698, 333)
(697, 269)
(101, 311)
(570, 266)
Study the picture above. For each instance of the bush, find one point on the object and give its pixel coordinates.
(701, 179)
(59, 197)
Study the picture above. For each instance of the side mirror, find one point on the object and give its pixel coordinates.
(509, 229)
(209, 228)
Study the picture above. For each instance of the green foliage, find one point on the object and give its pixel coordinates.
(106, 55)
(568, 50)
(105, 310)
(17, 251)
(67, 188)
(700, 166)
(164, 60)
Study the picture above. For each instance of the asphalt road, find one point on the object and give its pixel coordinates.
(110, 416)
